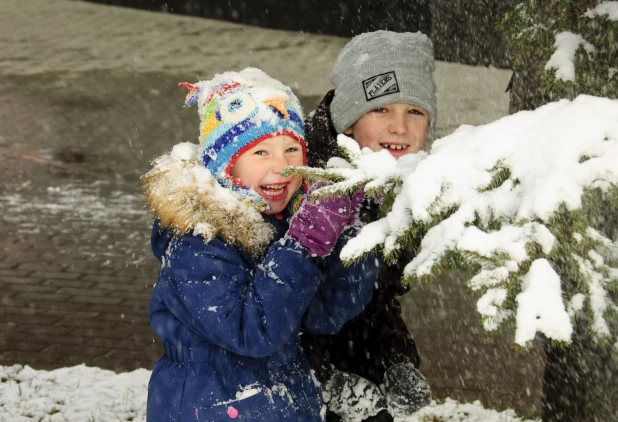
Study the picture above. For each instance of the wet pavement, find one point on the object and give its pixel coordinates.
(77, 132)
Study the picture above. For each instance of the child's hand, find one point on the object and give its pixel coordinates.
(317, 225)
(356, 204)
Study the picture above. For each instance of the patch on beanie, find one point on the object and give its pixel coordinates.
(380, 85)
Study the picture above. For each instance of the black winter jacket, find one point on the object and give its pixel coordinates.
(377, 338)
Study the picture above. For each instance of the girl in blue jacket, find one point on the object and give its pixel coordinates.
(241, 273)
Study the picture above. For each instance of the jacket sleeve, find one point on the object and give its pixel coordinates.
(212, 290)
(343, 293)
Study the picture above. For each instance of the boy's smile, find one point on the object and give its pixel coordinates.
(399, 128)
(260, 167)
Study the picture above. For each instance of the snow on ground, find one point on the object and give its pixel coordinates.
(82, 393)
(76, 202)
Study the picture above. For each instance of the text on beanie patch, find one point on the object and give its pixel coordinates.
(380, 85)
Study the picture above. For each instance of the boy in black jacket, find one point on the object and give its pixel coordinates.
(384, 98)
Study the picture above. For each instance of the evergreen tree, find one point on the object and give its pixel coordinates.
(579, 381)
(554, 270)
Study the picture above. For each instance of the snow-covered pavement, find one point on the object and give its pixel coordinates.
(82, 393)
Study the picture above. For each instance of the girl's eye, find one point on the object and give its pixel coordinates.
(260, 152)
(292, 149)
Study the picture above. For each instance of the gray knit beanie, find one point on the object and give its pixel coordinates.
(379, 68)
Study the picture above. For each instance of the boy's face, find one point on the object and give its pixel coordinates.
(260, 168)
(399, 128)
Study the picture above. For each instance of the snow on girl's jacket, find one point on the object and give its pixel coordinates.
(231, 298)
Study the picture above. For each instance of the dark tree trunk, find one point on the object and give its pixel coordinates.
(525, 93)
(579, 382)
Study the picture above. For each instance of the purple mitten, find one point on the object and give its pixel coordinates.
(317, 225)
(356, 204)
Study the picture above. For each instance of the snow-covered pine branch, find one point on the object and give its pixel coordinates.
(378, 173)
(574, 56)
(528, 204)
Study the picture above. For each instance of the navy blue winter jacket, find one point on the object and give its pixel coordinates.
(230, 324)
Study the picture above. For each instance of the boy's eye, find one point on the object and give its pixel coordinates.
(417, 112)
(379, 110)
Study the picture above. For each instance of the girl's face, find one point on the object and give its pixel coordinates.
(260, 168)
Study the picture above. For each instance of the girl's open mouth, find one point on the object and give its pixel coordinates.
(274, 192)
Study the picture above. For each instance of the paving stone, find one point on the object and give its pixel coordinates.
(21, 280)
(16, 272)
(95, 300)
(138, 335)
(41, 297)
(47, 329)
(30, 288)
(24, 346)
(67, 339)
(36, 360)
(55, 275)
(124, 318)
(78, 283)
(82, 292)
(121, 309)
(89, 323)
(7, 265)
(38, 266)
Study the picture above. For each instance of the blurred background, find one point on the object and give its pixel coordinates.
(89, 96)
(461, 31)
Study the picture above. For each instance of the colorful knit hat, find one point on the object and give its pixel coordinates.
(238, 110)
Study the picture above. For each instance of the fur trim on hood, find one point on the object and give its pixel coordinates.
(185, 197)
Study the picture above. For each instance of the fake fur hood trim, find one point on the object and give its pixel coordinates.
(185, 197)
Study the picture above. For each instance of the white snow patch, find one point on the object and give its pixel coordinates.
(82, 393)
(597, 296)
(77, 393)
(576, 304)
(607, 8)
(563, 59)
(185, 151)
(454, 411)
(488, 306)
(540, 306)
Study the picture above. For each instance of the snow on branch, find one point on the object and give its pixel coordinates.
(569, 50)
(527, 204)
(563, 59)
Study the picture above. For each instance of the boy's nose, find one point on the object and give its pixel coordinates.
(398, 125)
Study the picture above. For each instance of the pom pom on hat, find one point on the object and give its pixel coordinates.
(238, 110)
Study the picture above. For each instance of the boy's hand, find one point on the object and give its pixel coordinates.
(317, 225)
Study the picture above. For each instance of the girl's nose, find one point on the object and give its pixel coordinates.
(278, 163)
